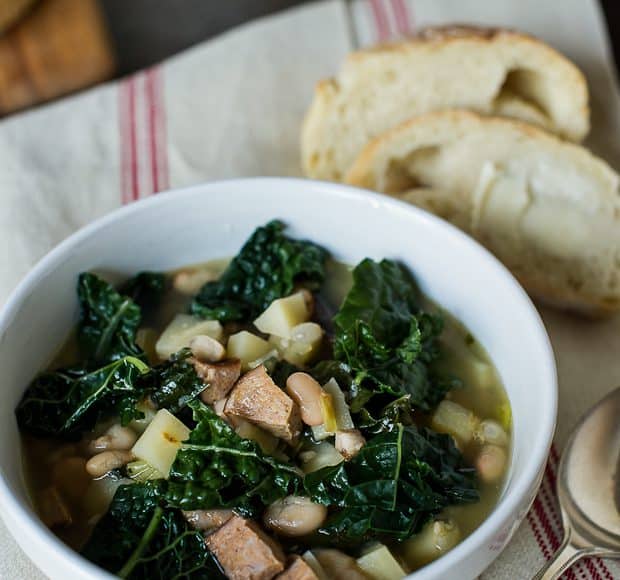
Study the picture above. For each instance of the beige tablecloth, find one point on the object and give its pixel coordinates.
(233, 107)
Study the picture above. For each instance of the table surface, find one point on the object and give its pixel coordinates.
(143, 34)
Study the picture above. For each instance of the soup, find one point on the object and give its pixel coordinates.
(280, 413)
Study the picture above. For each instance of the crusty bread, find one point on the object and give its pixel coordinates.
(549, 209)
(495, 72)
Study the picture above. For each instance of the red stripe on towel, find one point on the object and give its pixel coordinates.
(123, 127)
(133, 146)
(382, 26)
(152, 129)
(404, 23)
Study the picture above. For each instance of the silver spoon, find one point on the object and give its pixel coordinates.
(588, 488)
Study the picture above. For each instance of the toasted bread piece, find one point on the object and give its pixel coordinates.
(549, 209)
(490, 71)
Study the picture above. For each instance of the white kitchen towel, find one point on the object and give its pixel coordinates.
(232, 107)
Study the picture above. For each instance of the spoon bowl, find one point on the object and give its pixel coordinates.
(588, 487)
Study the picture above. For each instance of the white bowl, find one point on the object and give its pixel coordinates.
(212, 220)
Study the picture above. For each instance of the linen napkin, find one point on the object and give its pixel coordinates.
(232, 107)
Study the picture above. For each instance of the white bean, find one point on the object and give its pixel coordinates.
(306, 392)
(207, 519)
(294, 516)
(492, 432)
(349, 442)
(207, 349)
(491, 463)
(190, 281)
(115, 438)
(105, 462)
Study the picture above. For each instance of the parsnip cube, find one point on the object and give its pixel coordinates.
(161, 440)
(247, 347)
(282, 315)
(302, 346)
(380, 564)
(180, 332)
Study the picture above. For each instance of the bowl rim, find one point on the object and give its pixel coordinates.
(504, 513)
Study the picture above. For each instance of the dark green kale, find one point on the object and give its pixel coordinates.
(385, 338)
(174, 383)
(146, 289)
(67, 402)
(397, 482)
(108, 322)
(268, 267)
(141, 538)
(216, 468)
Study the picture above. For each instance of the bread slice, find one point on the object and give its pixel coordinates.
(549, 209)
(495, 72)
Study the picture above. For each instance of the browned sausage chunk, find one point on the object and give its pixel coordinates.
(245, 552)
(298, 569)
(257, 399)
(220, 377)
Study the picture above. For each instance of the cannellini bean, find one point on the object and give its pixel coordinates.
(306, 392)
(491, 463)
(337, 564)
(492, 432)
(294, 516)
(116, 437)
(70, 477)
(207, 349)
(189, 282)
(349, 442)
(105, 462)
(207, 519)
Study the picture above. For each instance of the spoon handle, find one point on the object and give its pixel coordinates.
(566, 555)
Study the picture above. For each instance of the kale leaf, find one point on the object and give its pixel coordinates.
(216, 468)
(141, 538)
(146, 289)
(66, 402)
(108, 321)
(173, 383)
(395, 484)
(267, 267)
(385, 338)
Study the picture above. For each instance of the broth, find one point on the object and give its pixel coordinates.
(51, 464)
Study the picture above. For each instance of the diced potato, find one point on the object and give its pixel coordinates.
(435, 539)
(322, 455)
(282, 315)
(380, 564)
(161, 440)
(247, 347)
(303, 345)
(266, 441)
(454, 419)
(319, 432)
(341, 408)
(180, 332)
(311, 560)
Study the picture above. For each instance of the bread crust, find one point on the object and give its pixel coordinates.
(326, 137)
(543, 275)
